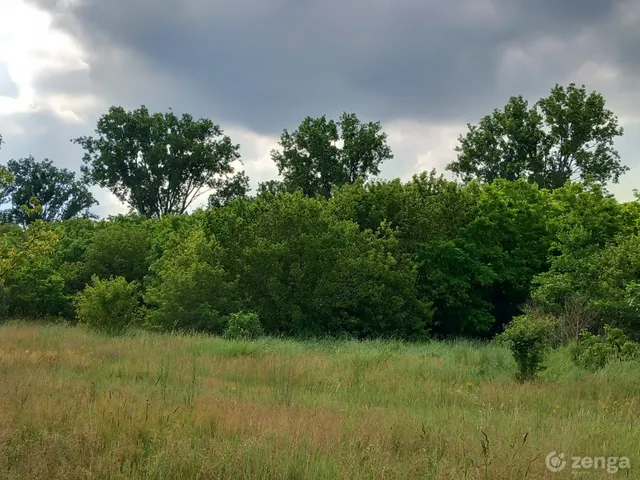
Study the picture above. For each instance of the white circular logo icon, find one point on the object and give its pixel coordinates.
(555, 461)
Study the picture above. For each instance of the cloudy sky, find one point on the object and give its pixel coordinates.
(423, 67)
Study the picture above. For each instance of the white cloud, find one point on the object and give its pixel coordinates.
(30, 47)
(419, 146)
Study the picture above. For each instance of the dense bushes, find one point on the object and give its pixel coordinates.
(388, 259)
(121, 249)
(595, 256)
(305, 272)
(595, 351)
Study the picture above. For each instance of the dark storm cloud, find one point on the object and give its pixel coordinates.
(267, 63)
(627, 36)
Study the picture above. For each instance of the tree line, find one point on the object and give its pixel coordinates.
(325, 249)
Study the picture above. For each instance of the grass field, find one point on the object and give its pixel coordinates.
(74, 404)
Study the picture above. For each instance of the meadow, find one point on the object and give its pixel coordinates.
(77, 404)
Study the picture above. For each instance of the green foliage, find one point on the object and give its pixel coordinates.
(36, 290)
(595, 351)
(108, 305)
(242, 325)
(312, 162)
(595, 254)
(324, 250)
(119, 248)
(30, 246)
(476, 247)
(189, 290)
(307, 273)
(6, 179)
(160, 163)
(59, 194)
(566, 136)
(528, 337)
(68, 257)
(271, 188)
(236, 188)
(30, 284)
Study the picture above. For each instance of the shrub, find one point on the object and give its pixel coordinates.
(119, 248)
(36, 290)
(107, 305)
(243, 325)
(528, 337)
(190, 290)
(595, 351)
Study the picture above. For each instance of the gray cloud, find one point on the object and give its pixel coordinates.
(425, 67)
(266, 64)
(42, 135)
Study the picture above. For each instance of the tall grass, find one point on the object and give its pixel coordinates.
(76, 404)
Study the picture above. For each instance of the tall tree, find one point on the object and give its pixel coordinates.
(568, 135)
(312, 161)
(159, 163)
(59, 194)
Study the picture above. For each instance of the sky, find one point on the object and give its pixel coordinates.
(424, 68)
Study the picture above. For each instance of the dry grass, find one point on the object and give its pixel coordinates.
(74, 404)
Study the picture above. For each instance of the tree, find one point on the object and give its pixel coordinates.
(312, 161)
(566, 136)
(5, 180)
(60, 195)
(158, 163)
(595, 256)
(304, 272)
(238, 187)
(274, 187)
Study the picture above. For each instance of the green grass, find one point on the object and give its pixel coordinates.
(76, 404)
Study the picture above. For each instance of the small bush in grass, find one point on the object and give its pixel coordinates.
(243, 326)
(595, 351)
(107, 305)
(528, 337)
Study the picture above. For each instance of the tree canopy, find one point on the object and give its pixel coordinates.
(312, 161)
(59, 194)
(158, 163)
(567, 135)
